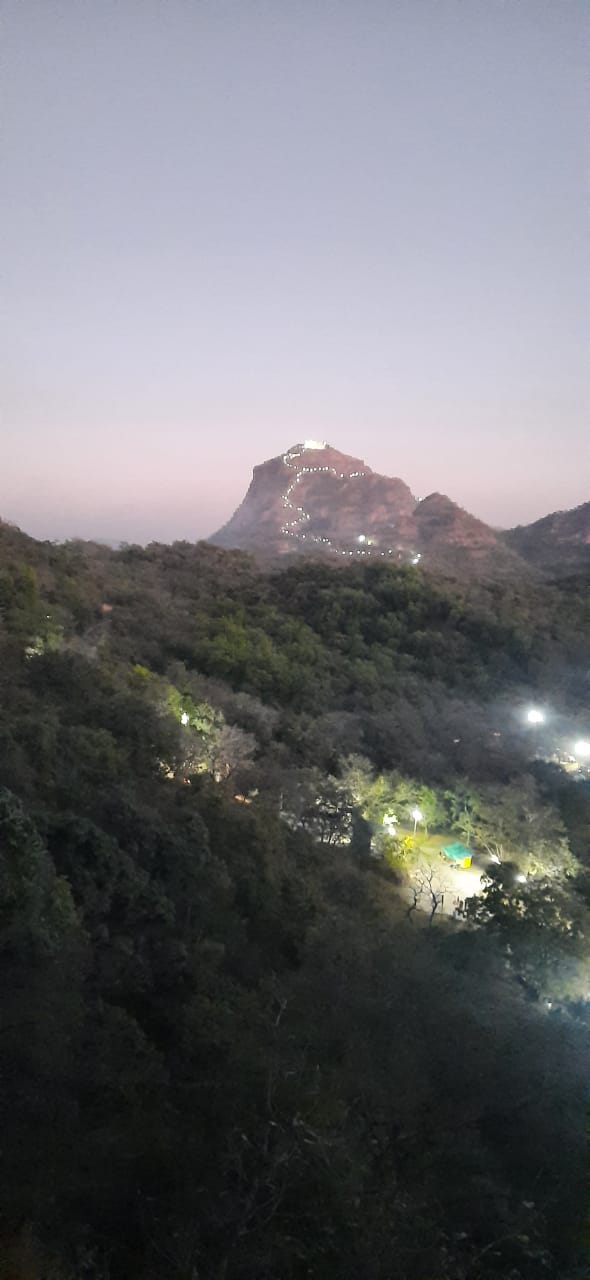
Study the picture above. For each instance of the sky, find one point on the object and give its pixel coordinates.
(230, 225)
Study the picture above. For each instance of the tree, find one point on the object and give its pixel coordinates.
(463, 806)
(43, 960)
(428, 887)
(431, 807)
(36, 907)
(541, 926)
(512, 823)
(320, 805)
(230, 750)
(358, 776)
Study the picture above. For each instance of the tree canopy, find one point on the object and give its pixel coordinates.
(242, 1037)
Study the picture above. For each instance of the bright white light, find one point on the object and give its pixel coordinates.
(582, 747)
(314, 444)
(389, 822)
(416, 814)
(521, 879)
(549, 1004)
(184, 718)
(362, 537)
(415, 559)
(494, 858)
(534, 716)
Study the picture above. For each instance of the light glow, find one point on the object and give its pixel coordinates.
(582, 747)
(184, 718)
(314, 444)
(534, 716)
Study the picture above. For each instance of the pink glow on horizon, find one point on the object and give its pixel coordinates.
(363, 223)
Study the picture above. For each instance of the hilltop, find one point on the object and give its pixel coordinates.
(313, 498)
(558, 542)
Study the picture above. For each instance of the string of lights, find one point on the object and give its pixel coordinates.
(294, 528)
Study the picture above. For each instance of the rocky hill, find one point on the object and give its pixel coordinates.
(313, 498)
(557, 543)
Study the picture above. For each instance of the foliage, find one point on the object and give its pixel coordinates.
(232, 1047)
(541, 925)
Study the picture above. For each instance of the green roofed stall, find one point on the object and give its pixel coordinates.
(458, 853)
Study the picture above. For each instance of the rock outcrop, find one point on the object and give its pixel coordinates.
(313, 498)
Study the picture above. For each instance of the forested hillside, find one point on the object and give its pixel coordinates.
(251, 1028)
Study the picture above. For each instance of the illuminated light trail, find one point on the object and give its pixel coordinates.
(292, 528)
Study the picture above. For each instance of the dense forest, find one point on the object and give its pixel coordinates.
(249, 1027)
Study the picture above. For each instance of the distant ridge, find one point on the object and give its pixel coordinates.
(556, 543)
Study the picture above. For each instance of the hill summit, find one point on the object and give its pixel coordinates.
(313, 498)
(558, 543)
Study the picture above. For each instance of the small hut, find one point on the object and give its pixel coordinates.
(458, 853)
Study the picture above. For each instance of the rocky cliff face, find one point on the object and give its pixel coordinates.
(557, 543)
(313, 498)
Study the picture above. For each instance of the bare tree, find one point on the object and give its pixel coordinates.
(413, 906)
(428, 891)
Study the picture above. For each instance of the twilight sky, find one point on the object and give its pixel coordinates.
(233, 224)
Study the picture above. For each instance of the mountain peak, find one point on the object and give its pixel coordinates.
(314, 498)
(312, 455)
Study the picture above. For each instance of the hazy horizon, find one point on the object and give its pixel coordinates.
(116, 540)
(233, 225)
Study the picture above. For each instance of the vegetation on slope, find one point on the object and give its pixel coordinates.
(230, 1047)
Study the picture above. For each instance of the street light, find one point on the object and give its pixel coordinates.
(582, 747)
(417, 815)
(534, 716)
